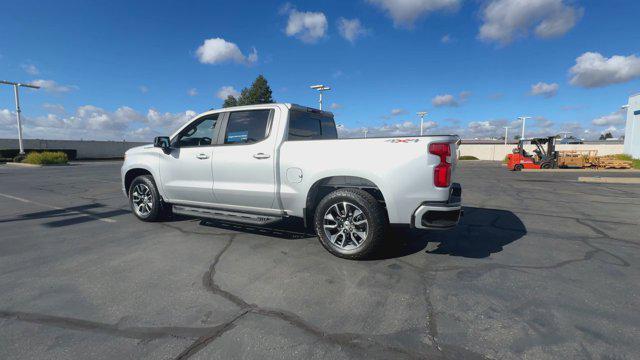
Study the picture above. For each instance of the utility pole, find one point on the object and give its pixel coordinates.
(16, 93)
(421, 114)
(320, 89)
(524, 119)
(365, 130)
(506, 134)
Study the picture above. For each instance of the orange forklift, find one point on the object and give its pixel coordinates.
(542, 158)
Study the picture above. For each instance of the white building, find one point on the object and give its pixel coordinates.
(632, 128)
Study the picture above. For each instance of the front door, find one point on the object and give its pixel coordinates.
(244, 164)
(186, 172)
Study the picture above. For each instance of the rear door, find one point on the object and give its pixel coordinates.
(186, 172)
(244, 162)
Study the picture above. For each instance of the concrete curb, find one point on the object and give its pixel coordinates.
(609, 180)
(601, 171)
(24, 165)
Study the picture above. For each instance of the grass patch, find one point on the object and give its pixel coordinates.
(636, 162)
(46, 158)
(468, 157)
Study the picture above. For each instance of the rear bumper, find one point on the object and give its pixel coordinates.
(439, 215)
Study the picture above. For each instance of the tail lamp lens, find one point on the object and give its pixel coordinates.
(442, 171)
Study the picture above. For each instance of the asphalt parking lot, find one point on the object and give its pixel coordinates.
(541, 267)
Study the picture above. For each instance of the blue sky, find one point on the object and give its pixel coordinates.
(125, 69)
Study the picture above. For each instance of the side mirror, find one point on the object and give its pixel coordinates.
(162, 142)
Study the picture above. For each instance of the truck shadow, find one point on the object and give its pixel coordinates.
(480, 233)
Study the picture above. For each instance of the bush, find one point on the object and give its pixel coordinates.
(46, 158)
(468, 157)
(636, 162)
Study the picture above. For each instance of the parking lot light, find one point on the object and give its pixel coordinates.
(16, 93)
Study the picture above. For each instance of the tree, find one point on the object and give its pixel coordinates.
(230, 101)
(258, 93)
(606, 136)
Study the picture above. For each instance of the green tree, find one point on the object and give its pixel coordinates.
(258, 93)
(606, 136)
(230, 101)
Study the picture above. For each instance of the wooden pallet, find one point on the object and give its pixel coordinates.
(613, 163)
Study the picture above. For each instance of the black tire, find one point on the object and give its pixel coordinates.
(517, 167)
(158, 210)
(373, 212)
(546, 166)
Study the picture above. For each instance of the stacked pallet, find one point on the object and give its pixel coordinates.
(610, 162)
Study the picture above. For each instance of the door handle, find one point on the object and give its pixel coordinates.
(202, 156)
(261, 156)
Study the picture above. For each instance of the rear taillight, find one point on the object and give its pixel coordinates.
(442, 171)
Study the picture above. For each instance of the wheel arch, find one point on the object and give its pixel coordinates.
(324, 186)
(132, 174)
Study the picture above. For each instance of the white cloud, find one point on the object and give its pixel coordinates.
(406, 128)
(192, 92)
(615, 118)
(55, 108)
(306, 26)
(30, 69)
(594, 70)
(167, 122)
(95, 123)
(336, 106)
(7, 117)
(545, 90)
(143, 89)
(351, 29)
(444, 100)
(217, 51)
(446, 39)
(393, 113)
(225, 91)
(405, 12)
(52, 86)
(450, 100)
(506, 20)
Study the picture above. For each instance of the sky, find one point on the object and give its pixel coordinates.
(114, 70)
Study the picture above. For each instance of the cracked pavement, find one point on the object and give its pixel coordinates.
(540, 267)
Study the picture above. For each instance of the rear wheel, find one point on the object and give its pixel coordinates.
(350, 223)
(145, 201)
(517, 167)
(545, 166)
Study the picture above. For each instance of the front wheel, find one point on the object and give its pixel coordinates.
(350, 223)
(517, 167)
(145, 201)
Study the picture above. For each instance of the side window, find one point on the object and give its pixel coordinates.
(304, 125)
(245, 127)
(199, 133)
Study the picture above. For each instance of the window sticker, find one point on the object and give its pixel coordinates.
(237, 137)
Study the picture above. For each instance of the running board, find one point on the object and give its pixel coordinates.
(245, 218)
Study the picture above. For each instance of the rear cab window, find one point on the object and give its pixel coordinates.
(307, 125)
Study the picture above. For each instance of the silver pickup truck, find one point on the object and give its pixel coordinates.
(261, 163)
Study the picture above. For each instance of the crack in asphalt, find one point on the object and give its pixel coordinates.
(133, 332)
(352, 341)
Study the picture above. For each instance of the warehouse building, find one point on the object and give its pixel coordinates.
(632, 128)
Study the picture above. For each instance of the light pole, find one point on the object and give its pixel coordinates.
(320, 89)
(365, 131)
(524, 119)
(506, 134)
(16, 93)
(421, 114)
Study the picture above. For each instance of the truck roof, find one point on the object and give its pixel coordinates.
(287, 105)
